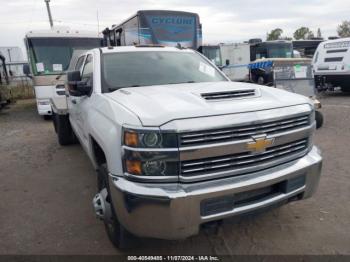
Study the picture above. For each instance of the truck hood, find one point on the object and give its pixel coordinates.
(157, 105)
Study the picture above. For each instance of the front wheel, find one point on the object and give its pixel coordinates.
(47, 117)
(117, 234)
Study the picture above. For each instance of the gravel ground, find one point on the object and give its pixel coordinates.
(47, 190)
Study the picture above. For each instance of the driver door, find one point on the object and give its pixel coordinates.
(72, 99)
(82, 103)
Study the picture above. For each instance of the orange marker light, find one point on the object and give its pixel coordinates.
(131, 139)
(133, 167)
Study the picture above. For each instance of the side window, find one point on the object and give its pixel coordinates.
(88, 68)
(79, 63)
(261, 52)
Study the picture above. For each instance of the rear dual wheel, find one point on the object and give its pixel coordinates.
(64, 130)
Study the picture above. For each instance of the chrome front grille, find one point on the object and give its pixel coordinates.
(242, 132)
(246, 160)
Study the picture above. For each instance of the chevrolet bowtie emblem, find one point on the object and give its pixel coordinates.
(260, 143)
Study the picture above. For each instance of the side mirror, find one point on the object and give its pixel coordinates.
(73, 78)
(84, 88)
(227, 62)
(26, 70)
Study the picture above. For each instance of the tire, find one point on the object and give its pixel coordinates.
(117, 234)
(65, 133)
(345, 90)
(319, 119)
(260, 80)
(46, 117)
(54, 121)
(253, 77)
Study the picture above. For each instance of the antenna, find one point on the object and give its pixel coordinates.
(49, 12)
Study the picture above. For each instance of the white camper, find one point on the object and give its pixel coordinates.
(49, 54)
(331, 65)
(232, 59)
(236, 57)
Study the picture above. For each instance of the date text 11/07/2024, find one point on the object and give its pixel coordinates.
(173, 258)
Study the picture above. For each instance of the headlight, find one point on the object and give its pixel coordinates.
(150, 154)
(153, 168)
(149, 139)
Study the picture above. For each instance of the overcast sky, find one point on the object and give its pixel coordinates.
(223, 20)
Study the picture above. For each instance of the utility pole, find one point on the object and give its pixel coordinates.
(49, 12)
(9, 52)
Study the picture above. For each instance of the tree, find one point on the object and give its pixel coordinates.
(303, 33)
(274, 34)
(319, 34)
(344, 29)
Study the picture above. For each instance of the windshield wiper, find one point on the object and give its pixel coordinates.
(119, 87)
(191, 81)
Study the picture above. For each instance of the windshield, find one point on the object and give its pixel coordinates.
(52, 55)
(213, 54)
(131, 69)
(170, 29)
(280, 51)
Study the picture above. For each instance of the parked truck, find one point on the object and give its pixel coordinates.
(177, 145)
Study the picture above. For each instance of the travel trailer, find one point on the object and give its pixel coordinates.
(157, 27)
(49, 54)
(233, 59)
(331, 64)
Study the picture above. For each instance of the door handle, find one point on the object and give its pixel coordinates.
(74, 101)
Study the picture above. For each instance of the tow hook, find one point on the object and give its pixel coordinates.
(211, 227)
(102, 207)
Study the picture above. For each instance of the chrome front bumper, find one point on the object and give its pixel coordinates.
(173, 211)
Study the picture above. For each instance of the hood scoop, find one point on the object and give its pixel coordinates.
(229, 94)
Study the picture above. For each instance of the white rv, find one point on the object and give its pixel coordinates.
(331, 64)
(234, 59)
(237, 58)
(49, 54)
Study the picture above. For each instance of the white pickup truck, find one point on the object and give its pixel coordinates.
(176, 145)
